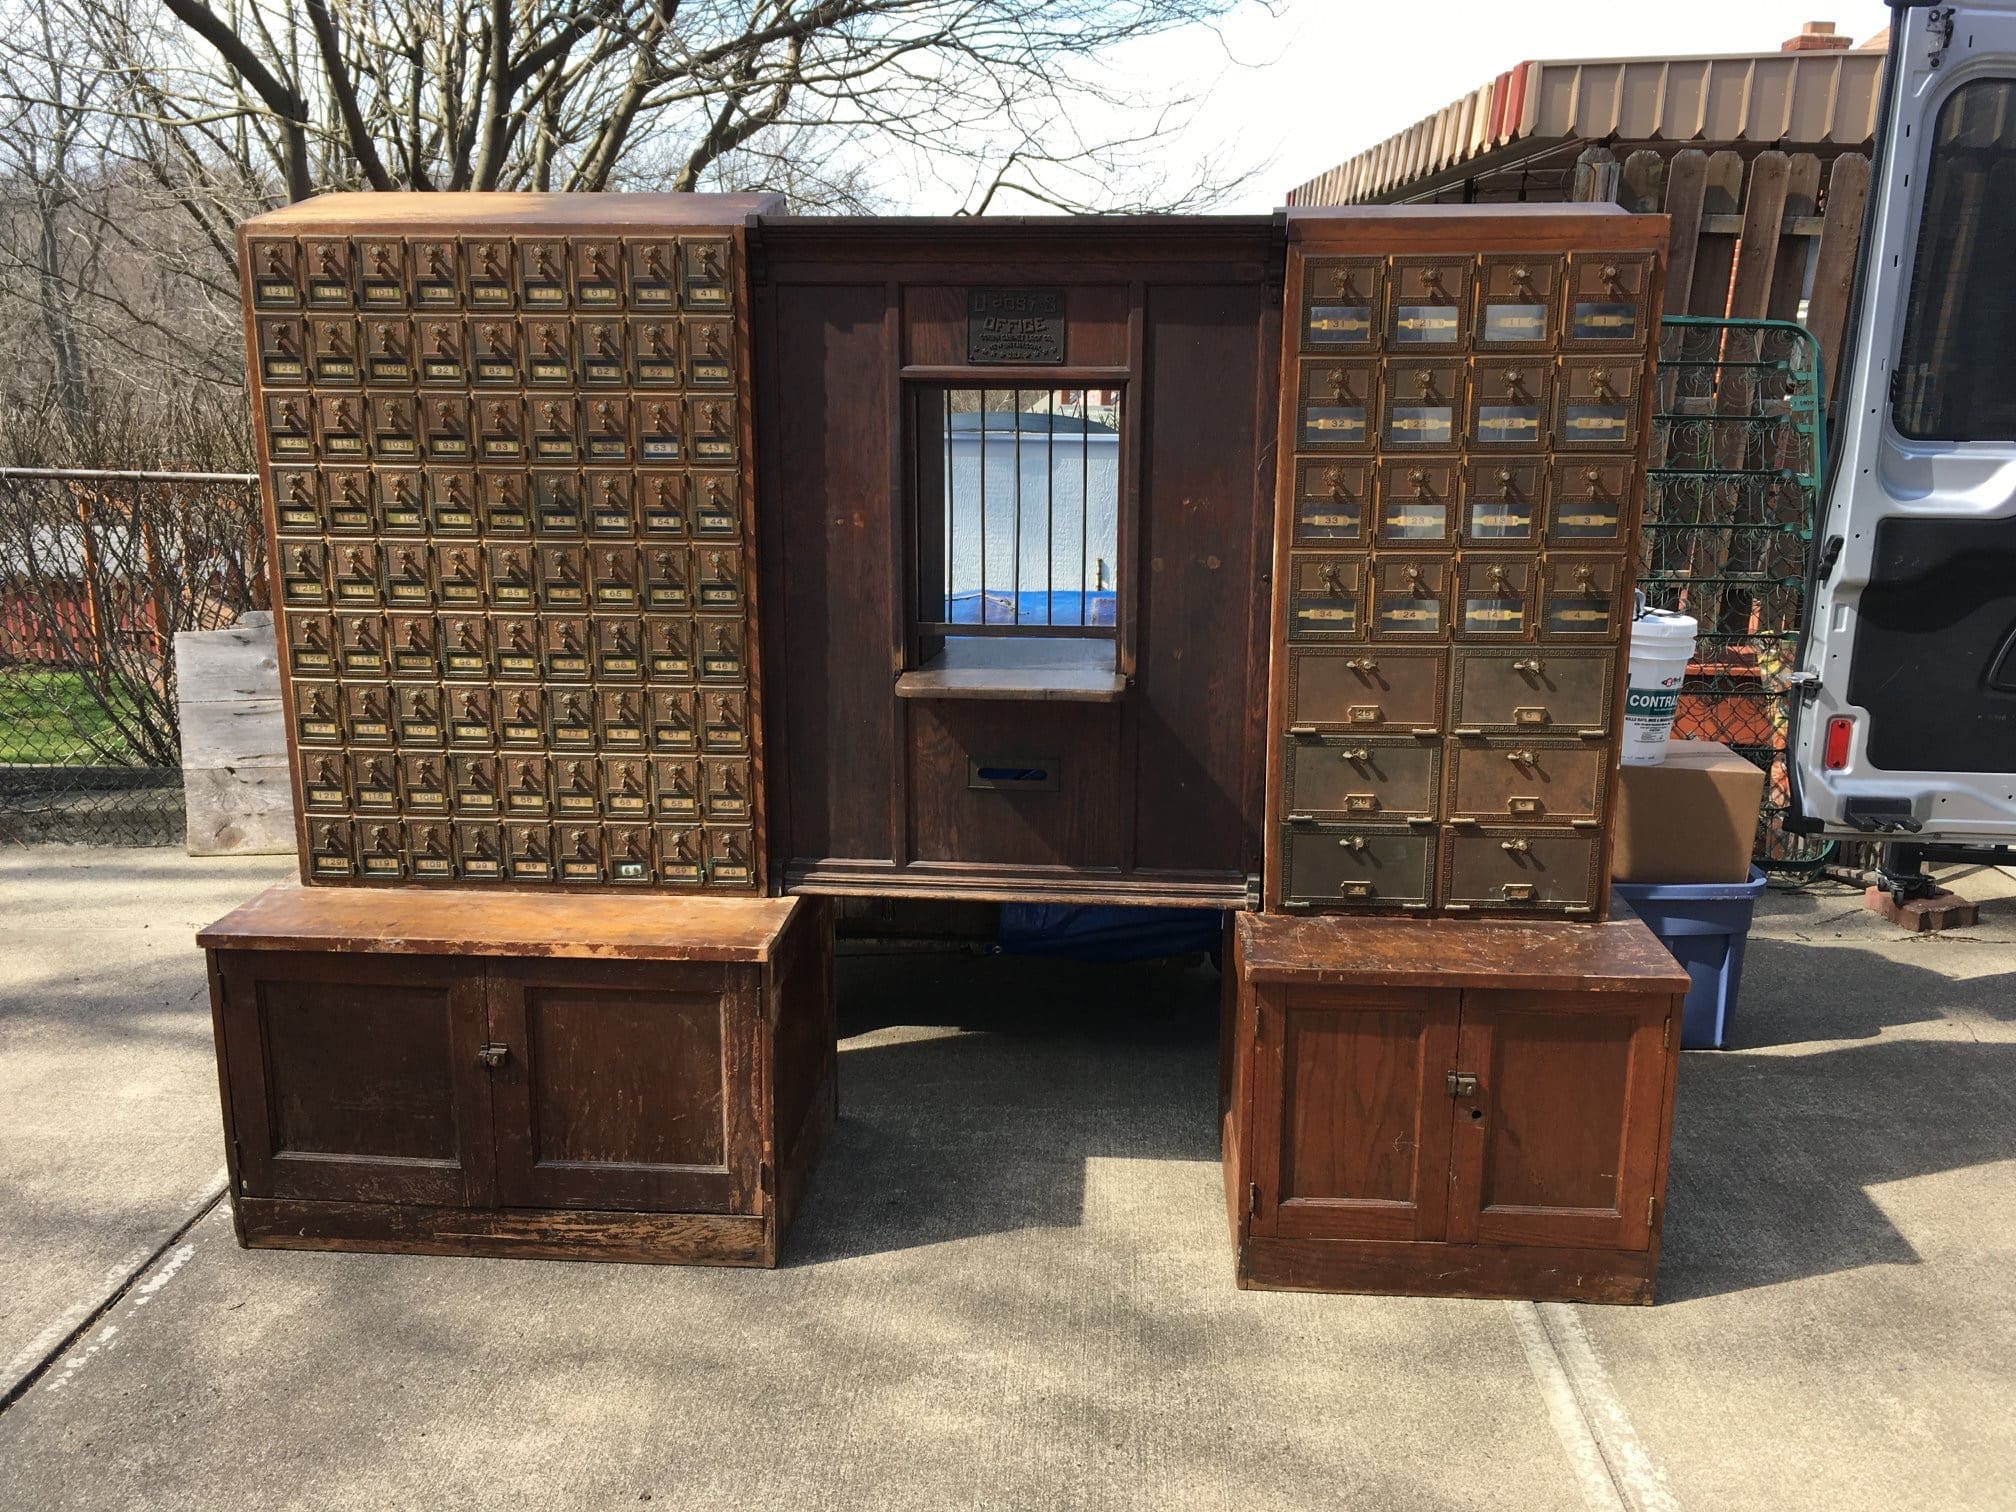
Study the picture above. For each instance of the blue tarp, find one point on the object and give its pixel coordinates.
(1085, 932)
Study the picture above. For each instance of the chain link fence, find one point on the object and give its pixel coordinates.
(98, 572)
(1731, 506)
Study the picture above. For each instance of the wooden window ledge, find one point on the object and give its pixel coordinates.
(1029, 669)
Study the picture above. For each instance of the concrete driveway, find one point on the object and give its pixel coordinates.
(1011, 1287)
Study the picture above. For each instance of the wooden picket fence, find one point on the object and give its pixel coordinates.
(1753, 238)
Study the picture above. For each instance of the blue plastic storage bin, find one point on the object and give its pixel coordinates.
(1705, 925)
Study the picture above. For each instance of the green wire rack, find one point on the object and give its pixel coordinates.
(1731, 507)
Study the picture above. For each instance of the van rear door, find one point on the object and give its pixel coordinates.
(1907, 720)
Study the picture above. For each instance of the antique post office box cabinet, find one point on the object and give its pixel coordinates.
(445, 1074)
(1362, 777)
(1471, 558)
(1448, 1107)
(1333, 688)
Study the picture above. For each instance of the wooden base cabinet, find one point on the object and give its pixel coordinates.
(1449, 1108)
(447, 1073)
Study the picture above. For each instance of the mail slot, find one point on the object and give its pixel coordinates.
(655, 354)
(436, 270)
(1335, 866)
(618, 645)
(1326, 597)
(1543, 781)
(465, 646)
(274, 264)
(626, 788)
(598, 274)
(603, 362)
(423, 783)
(1532, 691)
(1598, 408)
(412, 647)
(549, 352)
(1504, 869)
(388, 349)
(1417, 502)
(327, 265)
(1341, 302)
(486, 275)
(1331, 501)
(1424, 403)
(360, 644)
(652, 265)
(542, 274)
(1346, 688)
(1409, 596)
(1495, 601)
(1588, 502)
(711, 429)
(311, 645)
(529, 852)
(1509, 403)
(675, 788)
(1360, 777)
(382, 283)
(1013, 774)
(283, 351)
(1580, 598)
(1606, 304)
(710, 363)
(704, 269)
(1517, 298)
(1427, 303)
(297, 501)
(527, 786)
(1338, 401)
(1502, 501)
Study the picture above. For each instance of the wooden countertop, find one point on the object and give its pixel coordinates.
(1620, 955)
(479, 212)
(429, 921)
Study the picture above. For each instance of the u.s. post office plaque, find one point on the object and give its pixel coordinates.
(1014, 325)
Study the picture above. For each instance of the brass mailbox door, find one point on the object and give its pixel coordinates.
(529, 852)
(383, 269)
(1333, 498)
(606, 429)
(716, 514)
(1598, 409)
(332, 350)
(652, 265)
(662, 501)
(388, 350)
(1340, 688)
(1427, 301)
(1586, 503)
(283, 347)
(1341, 301)
(1510, 780)
(675, 788)
(311, 645)
(395, 430)
(487, 275)
(275, 264)
(655, 353)
(360, 645)
(667, 577)
(500, 429)
(626, 787)
(401, 510)
(1509, 403)
(1605, 307)
(465, 647)
(1332, 866)
(573, 726)
(423, 779)
(717, 587)
(332, 848)
(659, 434)
(1517, 297)
(431, 850)
(675, 726)
(413, 646)
(1536, 690)
(1417, 502)
(494, 353)
(731, 856)
(436, 269)
(1580, 599)
(555, 428)
(710, 361)
(556, 502)
(356, 581)
(474, 781)
(711, 427)
(1410, 597)
(1336, 405)
(668, 649)
(621, 712)
(721, 651)
(542, 273)
(724, 723)
(682, 853)
(566, 642)
(1360, 778)
(598, 274)
(458, 574)
(367, 714)
(451, 501)
(528, 786)
(351, 494)
(1502, 500)
(1511, 869)
(318, 714)
(603, 362)
(613, 573)
(521, 718)
(443, 362)
(1424, 404)
(704, 273)
(472, 716)
(328, 265)
(549, 352)
(339, 422)
(1495, 601)
(408, 583)
(417, 710)
(519, 651)
(297, 498)
(609, 507)
(618, 644)
(629, 850)
(381, 850)
(479, 851)
(290, 427)
(304, 574)
(729, 783)
(325, 782)
(1325, 597)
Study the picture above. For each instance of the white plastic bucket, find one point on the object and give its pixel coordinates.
(1662, 644)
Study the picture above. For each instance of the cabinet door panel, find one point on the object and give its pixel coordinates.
(355, 1079)
(1351, 1113)
(1559, 1144)
(625, 1087)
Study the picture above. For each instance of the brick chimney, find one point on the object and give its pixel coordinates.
(1815, 36)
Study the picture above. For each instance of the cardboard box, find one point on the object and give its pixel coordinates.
(1693, 819)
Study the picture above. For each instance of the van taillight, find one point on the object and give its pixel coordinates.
(1840, 730)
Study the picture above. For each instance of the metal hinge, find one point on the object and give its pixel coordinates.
(1666, 1034)
(1651, 1208)
(1252, 1198)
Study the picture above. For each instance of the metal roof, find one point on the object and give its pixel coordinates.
(1798, 100)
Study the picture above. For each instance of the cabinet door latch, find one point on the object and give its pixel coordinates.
(1462, 1084)
(493, 1055)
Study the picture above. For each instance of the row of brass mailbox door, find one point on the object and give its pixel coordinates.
(1496, 302)
(1504, 597)
(1496, 503)
(1458, 867)
(489, 351)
